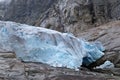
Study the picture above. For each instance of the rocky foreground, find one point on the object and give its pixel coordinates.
(13, 69)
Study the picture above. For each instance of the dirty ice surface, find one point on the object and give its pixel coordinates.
(51, 47)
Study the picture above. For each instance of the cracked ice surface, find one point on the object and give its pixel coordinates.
(51, 47)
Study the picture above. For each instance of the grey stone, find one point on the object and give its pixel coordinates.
(72, 16)
(109, 35)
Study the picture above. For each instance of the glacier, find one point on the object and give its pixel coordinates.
(36, 44)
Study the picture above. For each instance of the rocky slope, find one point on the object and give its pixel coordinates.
(3, 7)
(63, 15)
(109, 35)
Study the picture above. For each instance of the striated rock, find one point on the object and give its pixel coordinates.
(109, 35)
(27, 11)
(72, 16)
(3, 7)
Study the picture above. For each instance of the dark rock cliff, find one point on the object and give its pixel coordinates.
(26, 11)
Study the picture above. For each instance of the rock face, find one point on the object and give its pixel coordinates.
(109, 35)
(3, 7)
(35, 44)
(27, 11)
(63, 15)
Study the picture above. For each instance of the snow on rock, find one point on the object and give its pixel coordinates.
(51, 47)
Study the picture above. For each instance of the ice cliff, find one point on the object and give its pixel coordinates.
(51, 47)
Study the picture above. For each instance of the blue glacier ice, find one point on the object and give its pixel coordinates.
(107, 65)
(35, 44)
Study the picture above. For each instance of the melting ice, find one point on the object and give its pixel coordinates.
(51, 47)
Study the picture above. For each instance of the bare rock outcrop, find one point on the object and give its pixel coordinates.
(109, 35)
(72, 16)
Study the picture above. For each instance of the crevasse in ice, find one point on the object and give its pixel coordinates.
(35, 44)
